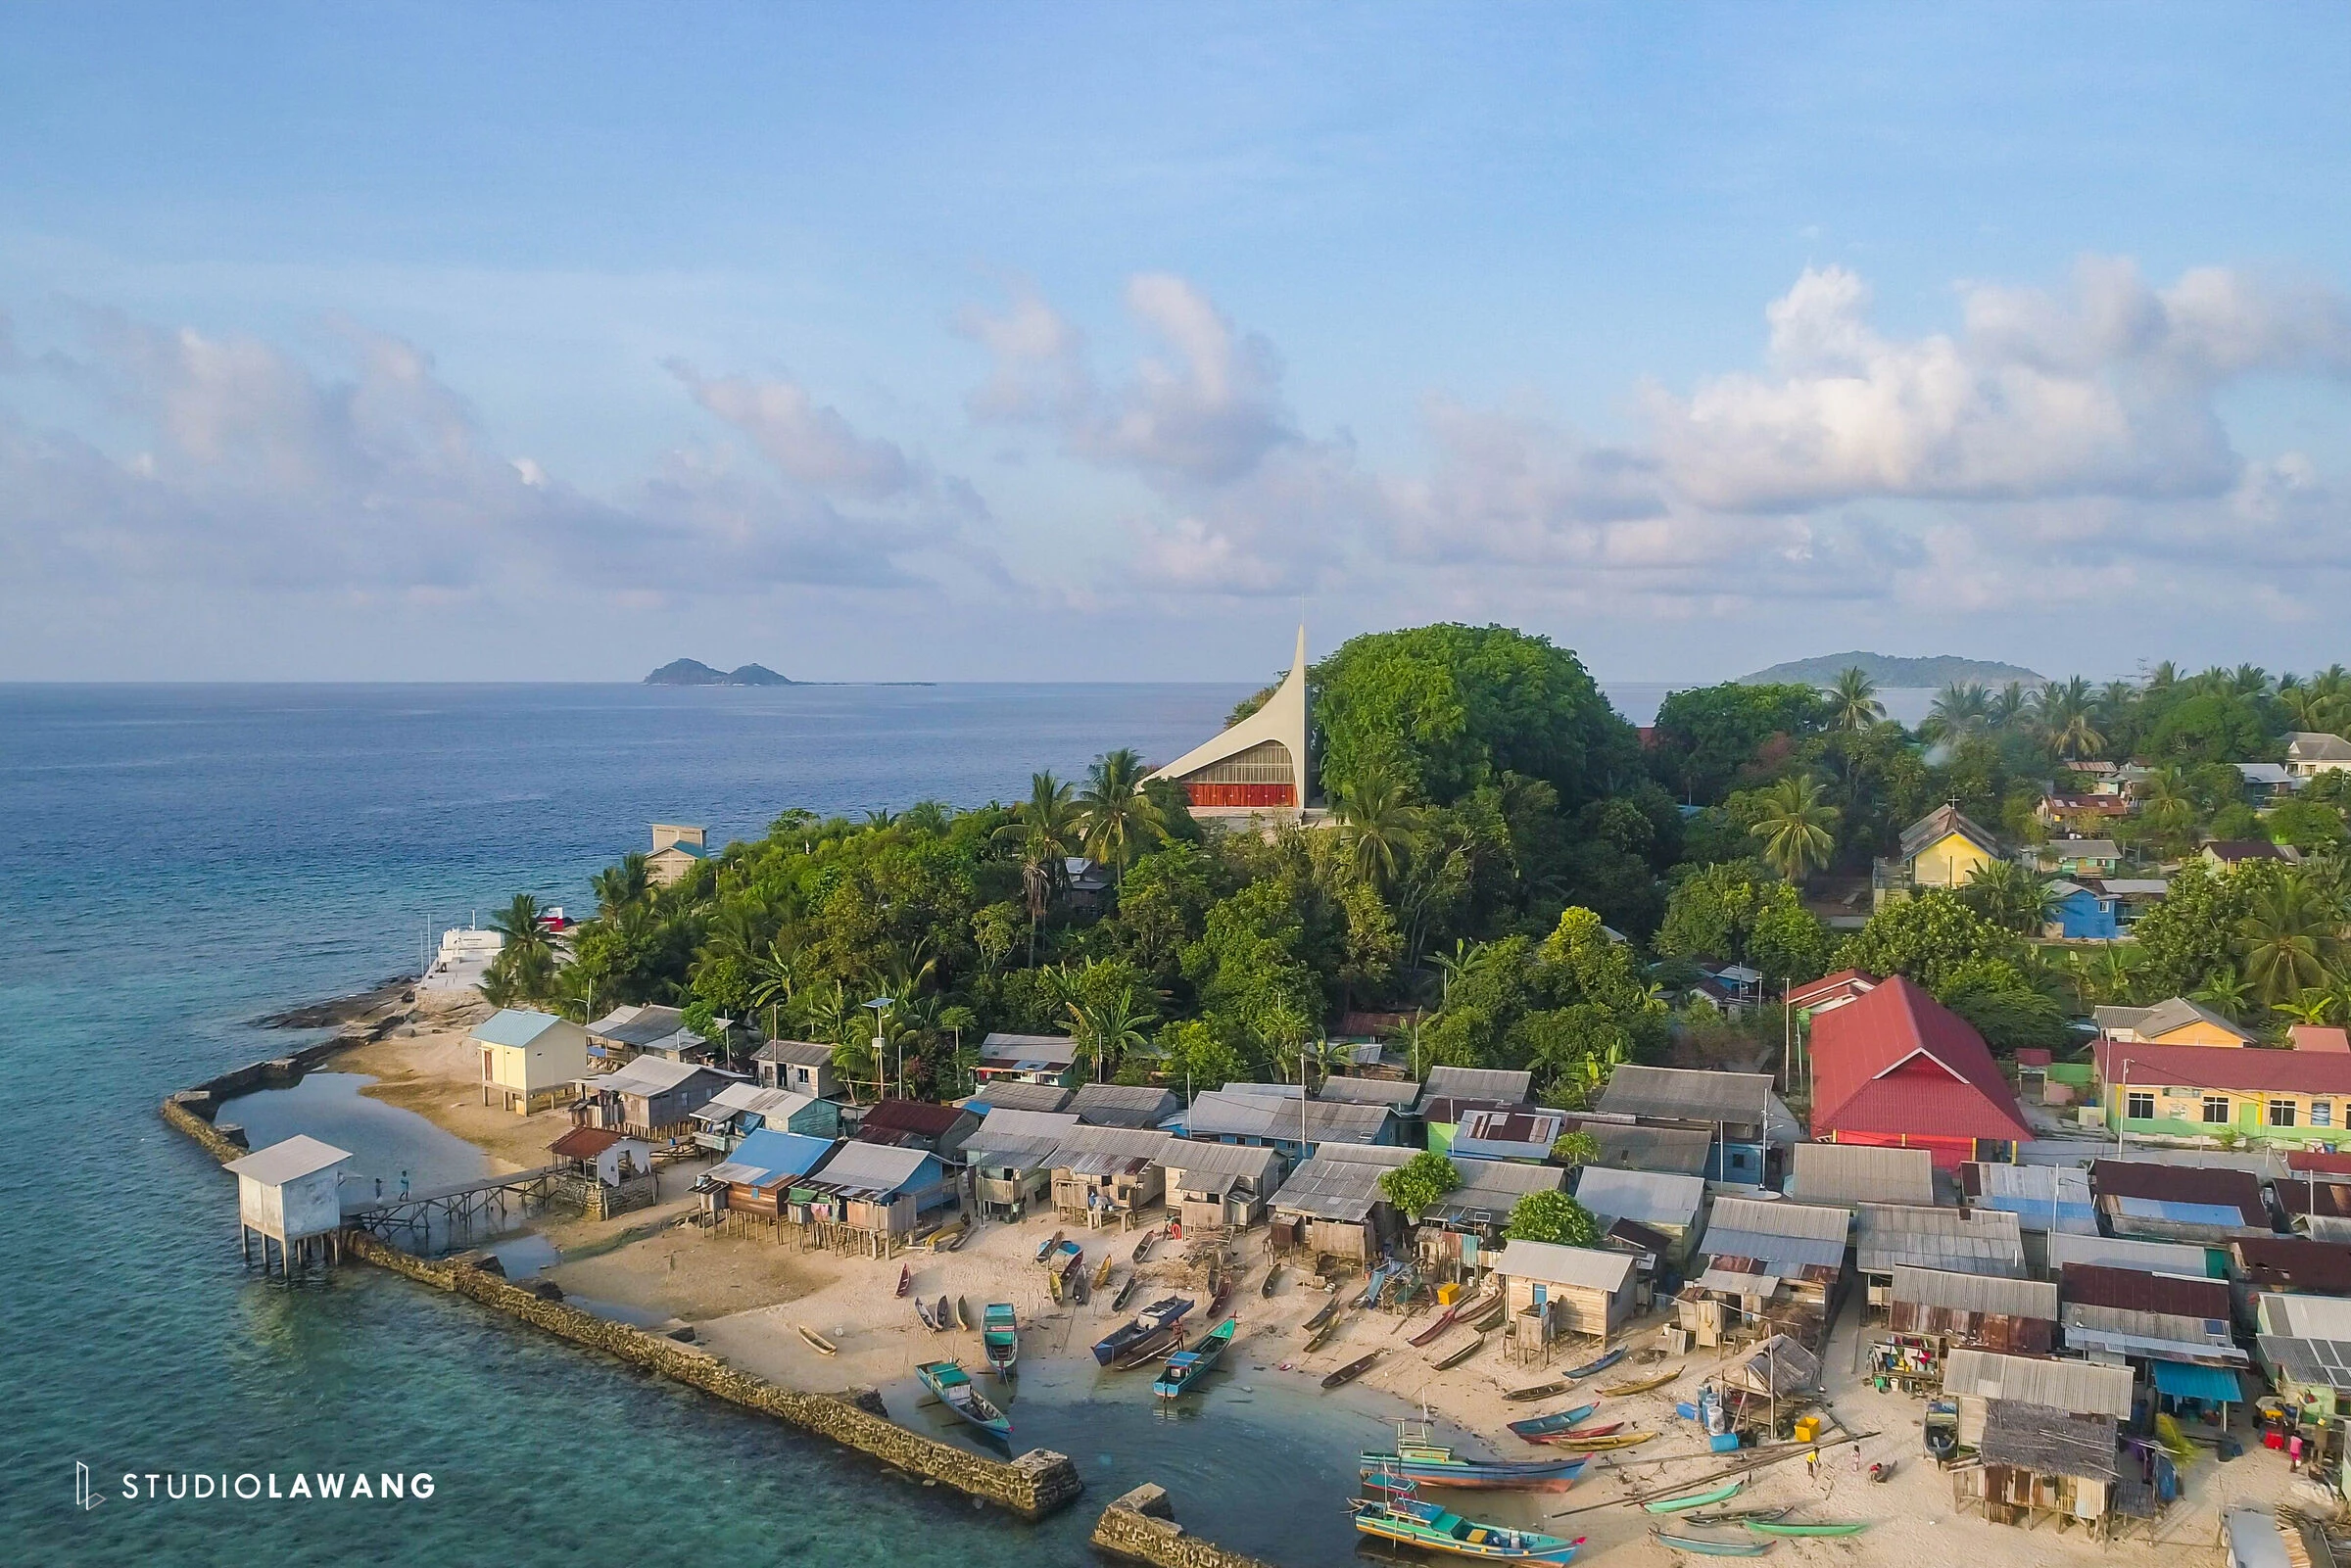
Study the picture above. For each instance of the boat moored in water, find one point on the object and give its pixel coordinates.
(1186, 1368)
(1417, 1459)
(1394, 1513)
(956, 1391)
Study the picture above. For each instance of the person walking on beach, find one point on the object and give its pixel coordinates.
(1812, 1466)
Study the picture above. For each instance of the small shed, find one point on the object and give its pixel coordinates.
(1669, 1205)
(754, 1183)
(1513, 1134)
(2040, 1462)
(1847, 1175)
(290, 1193)
(651, 1096)
(1332, 1203)
(1942, 1311)
(1104, 1175)
(1218, 1187)
(1011, 1157)
(605, 1155)
(1978, 1378)
(803, 1066)
(939, 1129)
(1552, 1291)
(1123, 1104)
(530, 1061)
(1774, 1369)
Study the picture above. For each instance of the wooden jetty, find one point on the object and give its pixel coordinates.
(458, 1204)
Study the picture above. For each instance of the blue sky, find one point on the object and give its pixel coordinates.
(1060, 342)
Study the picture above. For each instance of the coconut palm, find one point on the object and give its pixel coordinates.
(2067, 717)
(1960, 708)
(1798, 828)
(1114, 813)
(2165, 806)
(618, 886)
(2224, 991)
(2010, 707)
(1378, 820)
(2289, 941)
(522, 924)
(1044, 831)
(1853, 703)
(2010, 896)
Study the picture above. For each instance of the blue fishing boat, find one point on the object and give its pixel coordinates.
(1541, 1428)
(956, 1391)
(1576, 1373)
(1394, 1513)
(1002, 1339)
(1154, 1320)
(1185, 1368)
(1417, 1459)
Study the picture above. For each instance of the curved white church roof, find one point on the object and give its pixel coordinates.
(1281, 723)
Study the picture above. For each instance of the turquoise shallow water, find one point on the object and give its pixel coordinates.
(182, 859)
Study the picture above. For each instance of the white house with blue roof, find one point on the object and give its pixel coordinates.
(530, 1061)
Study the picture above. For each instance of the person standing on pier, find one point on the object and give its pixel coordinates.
(404, 1186)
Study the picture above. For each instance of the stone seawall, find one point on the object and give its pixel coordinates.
(1036, 1484)
(1141, 1527)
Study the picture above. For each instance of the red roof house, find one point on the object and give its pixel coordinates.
(1896, 1069)
(1832, 991)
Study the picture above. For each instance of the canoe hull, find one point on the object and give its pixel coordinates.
(1474, 1476)
(1373, 1521)
(1536, 1429)
(1697, 1499)
(1711, 1548)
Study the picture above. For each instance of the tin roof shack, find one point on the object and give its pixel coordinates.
(2043, 1198)
(1277, 1116)
(530, 1061)
(1769, 1267)
(1028, 1059)
(2040, 1462)
(1123, 1104)
(1502, 1084)
(1011, 1158)
(2304, 1345)
(2148, 1256)
(1454, 1237)
(2208, 1205)
(1849, 1174)
(1735, 1108)
(1439, 1118)
(1525, 1135)
(754, 1182)
(290, 1193)
(741, 1108)
(1630, 1146)
(1105, 1175)
(1332, 1203)
(651, 1097)
(1943, 1309)
(2284, 1266)
(1669, 1205)
(2317, 1204)
(1552, 1291)
(1217, 1187)
(1010, 1094)
(2115, 1314)
(604, 1173)
(870, 1197)
(626, 1033)
(1760, 1380)
(1978, 1378)
(1398, 1095)
(1887, 1236)
(802, 1065)
(939, 1129)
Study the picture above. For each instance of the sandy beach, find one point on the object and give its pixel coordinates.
(746, 1295)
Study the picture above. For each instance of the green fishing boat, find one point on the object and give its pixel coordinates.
(1696, 1500)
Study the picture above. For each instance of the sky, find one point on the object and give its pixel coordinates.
(1014, 342)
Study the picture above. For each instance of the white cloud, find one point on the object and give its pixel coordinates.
(808, 441)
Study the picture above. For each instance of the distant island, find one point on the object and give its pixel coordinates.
(693, 672)
(1886, 670)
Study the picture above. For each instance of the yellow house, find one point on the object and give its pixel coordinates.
(530, 1061)
(2194, 1092)
(1941, 849)
(2176, 1021)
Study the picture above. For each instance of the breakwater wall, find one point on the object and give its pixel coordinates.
(1141, 1527)
(196, 1112)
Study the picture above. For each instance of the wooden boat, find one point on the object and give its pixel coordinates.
(1463, 1355)
(1619, 1391)
(1349, 1372)
(942, 1317)
(1696, 1500)
(821, 1345)
(1142, 1249)
(1394, 1513)
(906, 1280)
(1598, 1443)
(1581, 1432)
(1766, 1527)
(1324, 1314)
(1458, 1312)
(1046, 1250)
(1117, 1303)
(956, 1391)
(963, 1314)
(1102, 1274)
(1417, 1459)
(1153, 1321)
(1186, 1368)
(1712, 1549)
(1001, 1338)
(953, 1243)
(922, 1310)
(1539, 1428)
(1493, 1319)
(1576, 1374)
(1737, 1516)
(1321, 1336)
(1540, 1391)
(1144, 1352)
(1273, 1273)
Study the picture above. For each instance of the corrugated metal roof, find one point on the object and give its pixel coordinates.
(1783, 1218)
(1651, 1198)
(2317, 1317)
(1491, 1188)
(1776, 1366)
(2156, 1212)
(1671, 1151)
(1340, 1185)
(2171, 1258)
(288, 1161)
(2140, 1335)
(1220, 1114)
(1960, 1292)
(1122, 1143)
(1477, 1083)
(1852, 1173)
(639, 1026)
(513, 1026)
(1028, 1050)
(913, 1116)
(2044, 1440)
(1221, 1158)
(2132, 1290)
(1896, 1060)
(2042, 1196)
(799, 1053)
(1688, 1094)
(1397, 1092)
(2326, 1363)
(650, 1076)
(1010, 1094)
(2081, 1387)
(768, 1156)
(872, 1167)
(1980, 1241)
(1124, 1105)
(2205, 1186)
(1583, 1267)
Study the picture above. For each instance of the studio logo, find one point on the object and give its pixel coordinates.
(86, 1495)
(262, 1485)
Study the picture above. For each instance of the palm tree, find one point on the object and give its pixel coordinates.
(2067, 716)
(2165, 804)
(1960, 708)
(1451, 967)
(522, 925)
(1115, 814)
(1853, 703)
(2010, 896)
(1377, 824)
(2289, 942)
(2310, 1006)
(2009, 707)
(1107, 1029)
(2224, 991)
(2163, 676)
(1044, 831)
(616, 888)
(1797, 828)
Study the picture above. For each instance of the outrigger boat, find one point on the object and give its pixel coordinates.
(1696, 1500)
(1617, 1391)
(906, 1280)
(1001, 1338)
(1185, 1368)
(1455, 1360)
(821, 1345)
(1349, 1372)
(1396, 1514)
(1543, 1428)
(1767, 1527)
(1452, 1315)
(1158, 1320)
(1417, 1459)
(1712, 1549)
(956, 1391)
(1576, 1374)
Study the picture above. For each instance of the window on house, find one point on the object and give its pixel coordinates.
(2138, 1107)
(2282, 1113)
(2322, 1112)
(2216, 1108)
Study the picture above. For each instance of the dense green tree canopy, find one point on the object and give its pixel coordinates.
(1708, 738)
